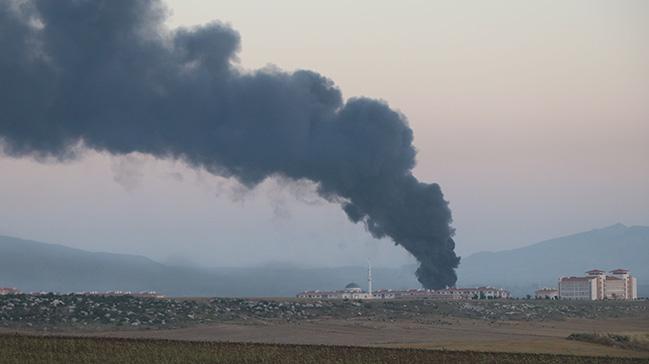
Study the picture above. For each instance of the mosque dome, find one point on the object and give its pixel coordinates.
(353, 287)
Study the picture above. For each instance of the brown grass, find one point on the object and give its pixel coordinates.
(633, 341)
(41, 349)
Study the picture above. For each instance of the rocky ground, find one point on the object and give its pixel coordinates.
(78, 311)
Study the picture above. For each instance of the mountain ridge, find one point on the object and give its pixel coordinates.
(607, 228)
(36, 266)
(5, 239)
(542, 263)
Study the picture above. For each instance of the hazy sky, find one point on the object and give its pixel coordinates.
(533, 116)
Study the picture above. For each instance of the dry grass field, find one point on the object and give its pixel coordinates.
(633, 341)
(449, 334)
(53, 350)
(512, 326)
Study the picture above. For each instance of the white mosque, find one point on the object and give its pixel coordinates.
(352, 291)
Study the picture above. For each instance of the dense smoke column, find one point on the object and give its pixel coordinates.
(109, 75)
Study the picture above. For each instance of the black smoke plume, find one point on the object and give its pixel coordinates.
(108, 75)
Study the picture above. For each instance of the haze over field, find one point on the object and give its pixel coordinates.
(532, 119)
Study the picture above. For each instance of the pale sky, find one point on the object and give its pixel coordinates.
(533, 117)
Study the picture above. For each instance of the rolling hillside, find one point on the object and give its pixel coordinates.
(523, 270)
(34, 266)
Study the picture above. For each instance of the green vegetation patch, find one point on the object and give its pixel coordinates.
(49, 349)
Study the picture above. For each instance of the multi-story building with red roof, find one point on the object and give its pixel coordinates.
(597, 285)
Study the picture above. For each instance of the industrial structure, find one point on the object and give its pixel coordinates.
(597, 285)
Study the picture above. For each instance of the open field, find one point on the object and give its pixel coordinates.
(37, 350)
(454, 334)
(514, 326)
(634, 341)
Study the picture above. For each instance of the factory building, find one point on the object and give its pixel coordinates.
(597, 285)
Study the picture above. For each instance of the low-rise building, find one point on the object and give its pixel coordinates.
(144, 294)
(547, 293)
(6, 290)
(469, 293)
(385, 294)
(352, 291)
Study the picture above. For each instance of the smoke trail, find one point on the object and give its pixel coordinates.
(109, 75)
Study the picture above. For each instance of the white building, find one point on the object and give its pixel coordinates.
(547, 293)
(352, 291)
(6, 290)
(621, 285)
(578, 288)
(455, 293)
(597, 285)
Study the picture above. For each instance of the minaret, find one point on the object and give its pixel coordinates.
(369, 278)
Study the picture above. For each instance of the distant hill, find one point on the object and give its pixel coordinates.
(35, 266)
(523, 270)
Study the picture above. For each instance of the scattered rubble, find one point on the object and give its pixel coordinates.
(78, 311)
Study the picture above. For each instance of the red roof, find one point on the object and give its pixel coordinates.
(576, 278)
(595, 271)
